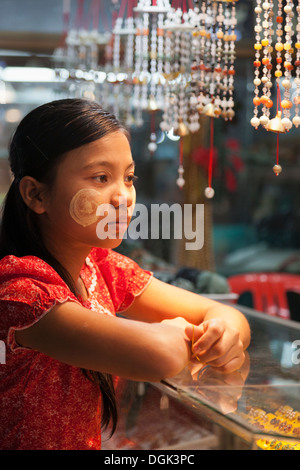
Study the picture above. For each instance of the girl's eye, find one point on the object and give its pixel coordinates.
(131, 178)
(102, 178)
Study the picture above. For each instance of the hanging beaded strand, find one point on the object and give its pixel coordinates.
(266, 42)
(286, 103)
(296, 119)
(255, 121)
(231, 71)
(277, 124)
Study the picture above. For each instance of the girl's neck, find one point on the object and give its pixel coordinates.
(70, 256)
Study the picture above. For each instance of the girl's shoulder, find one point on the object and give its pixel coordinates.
(13, 267)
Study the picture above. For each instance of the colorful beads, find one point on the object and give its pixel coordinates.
(286, 104)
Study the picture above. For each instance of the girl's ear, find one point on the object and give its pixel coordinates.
(33, 194)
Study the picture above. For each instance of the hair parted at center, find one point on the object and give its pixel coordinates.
(37, 147)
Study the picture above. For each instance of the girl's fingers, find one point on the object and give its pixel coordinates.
(213, 330)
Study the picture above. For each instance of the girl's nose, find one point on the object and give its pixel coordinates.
(123, 196)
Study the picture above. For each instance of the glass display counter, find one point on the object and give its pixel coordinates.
(257, 407)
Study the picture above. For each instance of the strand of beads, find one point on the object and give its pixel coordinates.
(296, 119)
(279, 44)
(231, 72)
(137, 74)
(226, 37)
(218, 66)
(255, 121)
(145, 58)
(266, 60)
(202, 99)
(286, 103)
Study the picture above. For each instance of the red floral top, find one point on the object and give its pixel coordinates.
(46, 404)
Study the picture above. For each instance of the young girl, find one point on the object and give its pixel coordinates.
(61, 286)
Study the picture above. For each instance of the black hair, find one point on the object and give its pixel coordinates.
(37, 147)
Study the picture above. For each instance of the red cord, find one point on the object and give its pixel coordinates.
(211, 152)
(181, 151)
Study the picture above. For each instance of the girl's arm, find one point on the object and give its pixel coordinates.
(134, 350)
(223, 334)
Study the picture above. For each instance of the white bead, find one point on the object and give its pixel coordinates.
(152, 147)
(286, 83)
(296, 121)
(264, 120)
(266, 5)
(180, 182)
(209, 192)
(257, 81)
(255, 122)
(287, 123)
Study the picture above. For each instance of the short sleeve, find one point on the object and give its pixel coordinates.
(29, 288)
(124, 278)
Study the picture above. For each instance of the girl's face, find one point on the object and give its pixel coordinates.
(93, 196)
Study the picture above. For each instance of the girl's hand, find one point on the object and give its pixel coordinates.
(217, 344)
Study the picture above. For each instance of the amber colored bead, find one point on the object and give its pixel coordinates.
(297, 45)
(297, 63)
(256, 101)
(297, 100)
(218, 69)
(279, 46)
(231, 72)
(278, 73)
(286, 104)
(265, 42)
(279, 19)
(269, 66)
(264, 99)
(257, 46)
(279, 60)
(160, 32)
(287, 46)
(146, 31)
(265, 60)
(257, 63)
(269, 103)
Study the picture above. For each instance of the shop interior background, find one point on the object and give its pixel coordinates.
(253, 222)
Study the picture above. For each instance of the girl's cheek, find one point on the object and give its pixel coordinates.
(83, 207)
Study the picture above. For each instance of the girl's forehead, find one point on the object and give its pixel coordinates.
(109, 150)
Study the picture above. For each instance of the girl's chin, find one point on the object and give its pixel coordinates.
(109, 242)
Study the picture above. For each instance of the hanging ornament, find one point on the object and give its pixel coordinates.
(123, 62)
(148, 67)
(286, 62)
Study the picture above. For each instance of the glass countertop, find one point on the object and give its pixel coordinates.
(261, 402)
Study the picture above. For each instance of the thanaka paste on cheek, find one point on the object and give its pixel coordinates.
(83, 206)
